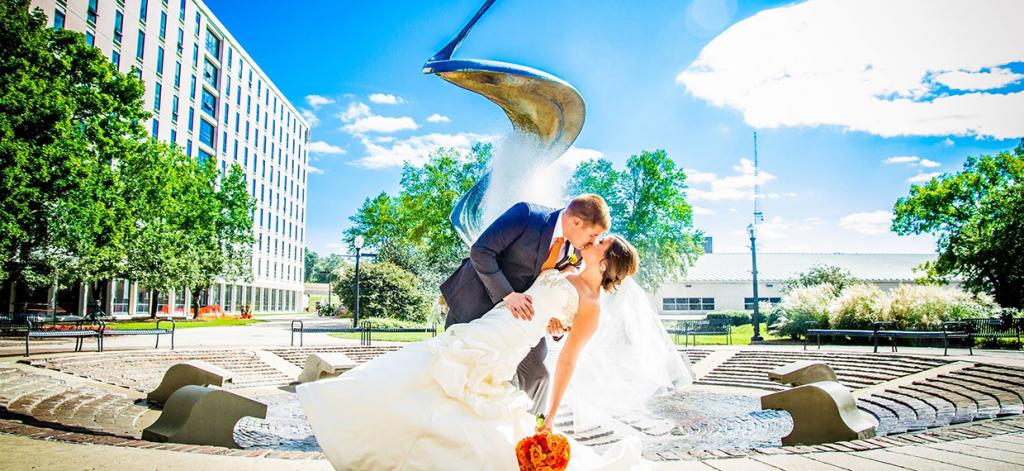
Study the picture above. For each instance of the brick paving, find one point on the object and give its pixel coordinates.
(977, 404)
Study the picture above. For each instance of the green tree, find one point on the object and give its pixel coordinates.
(978, 218)
(309, 261)
(327, 269)
(67, 118)
(386, 291)
(837, 278)
(648, 205)
(412, 229)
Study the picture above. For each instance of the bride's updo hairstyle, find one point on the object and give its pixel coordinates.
(622, 259)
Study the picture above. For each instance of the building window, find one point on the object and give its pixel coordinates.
(58, 20)
(157, 91)
(199, 19)
(90, 38)
(207, 133)
(195, 54)
(213, 44)
(118, 26)
(192, 89)
(191, 117)
(174, 137)
(156, 128)
(748, 303)
(174, 108)
(160, 60)
(181, 41)
(92, 12)
(143, 8)
(115, 58)
(140, 45)
(210, 73)
(688, 304)
(177, 74)
(163, 25)
(224, 142)
(203, 155)
(227, 113)
(188, 148)
(181, 13)
(209, 104)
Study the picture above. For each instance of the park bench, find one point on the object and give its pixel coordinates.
(156, 330)
(693, 328)
(366, 331)
(996, 328)
(31, 327)
(949, 330)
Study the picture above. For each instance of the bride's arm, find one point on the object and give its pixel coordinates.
(583, 327)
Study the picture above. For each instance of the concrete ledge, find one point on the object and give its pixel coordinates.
(192, 372)
(200, 415)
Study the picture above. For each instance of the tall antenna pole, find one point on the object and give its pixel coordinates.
(758, 215)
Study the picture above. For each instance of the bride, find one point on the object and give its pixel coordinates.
(447, 403)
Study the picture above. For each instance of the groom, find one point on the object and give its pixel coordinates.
(507, 258)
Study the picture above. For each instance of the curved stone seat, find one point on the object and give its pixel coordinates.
(823, 412)
(199, 415)
(802, 372)
(325, 365)
(192, 372)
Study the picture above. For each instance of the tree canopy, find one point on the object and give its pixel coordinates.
(978, 216)
(648, 206)
(836, 278)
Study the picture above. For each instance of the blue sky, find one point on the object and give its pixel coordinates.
(853, 101)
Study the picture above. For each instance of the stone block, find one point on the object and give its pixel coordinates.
(799, 373)
(325, 365)
(199, 415)
(823, 412)
(192, 372)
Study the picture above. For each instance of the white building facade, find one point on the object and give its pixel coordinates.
(209, 97)
(724, 281)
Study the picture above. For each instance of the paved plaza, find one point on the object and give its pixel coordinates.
(65, 410)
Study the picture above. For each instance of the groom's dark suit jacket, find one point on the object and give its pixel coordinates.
(506, 258)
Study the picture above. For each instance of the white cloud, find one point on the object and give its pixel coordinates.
(929, 163)
(416, 149)
(779, 228)
(316, 101)
(901, 159)
(361, 119)
(867, 223)
(310, 117)
(975, 80)
(869, 65)
(700, 210)
(386, 99)
(321, 147)
(923, 177)
(382, 124)
(314, 170)
(573, 157)
(354, 111)
(735, 187)
(948, 142)
(437, 118)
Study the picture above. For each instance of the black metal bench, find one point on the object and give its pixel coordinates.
(155, 330)
(996, 328)
(693, 328)
(78, 330)
(366, 331)
(950, 330)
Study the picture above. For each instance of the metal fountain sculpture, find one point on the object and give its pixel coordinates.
(541, 107)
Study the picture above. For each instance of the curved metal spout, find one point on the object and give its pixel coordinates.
(545, 108)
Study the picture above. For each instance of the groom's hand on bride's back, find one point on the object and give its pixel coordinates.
(521, 305)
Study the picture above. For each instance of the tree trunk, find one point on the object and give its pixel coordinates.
(195, 303)
(152, 304)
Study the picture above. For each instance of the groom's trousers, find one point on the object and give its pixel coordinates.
(532, 377)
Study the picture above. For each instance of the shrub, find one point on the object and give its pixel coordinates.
(928, 306)
(858, 307)
(737, 318)
(804, 308)
(391, 323)
(386, 291)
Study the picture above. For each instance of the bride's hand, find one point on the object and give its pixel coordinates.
(555, 328)
(546, 426)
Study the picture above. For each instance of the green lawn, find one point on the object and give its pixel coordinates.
(182, 324)
(387, 336)
(740, 336)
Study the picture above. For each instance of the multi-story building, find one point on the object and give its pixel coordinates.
(208, 96)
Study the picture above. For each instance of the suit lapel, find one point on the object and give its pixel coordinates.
(544, 244)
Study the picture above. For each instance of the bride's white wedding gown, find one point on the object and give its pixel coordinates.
(447, 403)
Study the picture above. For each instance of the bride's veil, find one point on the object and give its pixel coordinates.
(629, 360)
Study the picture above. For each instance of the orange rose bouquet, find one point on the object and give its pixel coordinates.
(543, 452)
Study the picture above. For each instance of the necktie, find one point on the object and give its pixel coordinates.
(554, 254)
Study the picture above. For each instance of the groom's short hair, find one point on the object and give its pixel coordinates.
(592, 209)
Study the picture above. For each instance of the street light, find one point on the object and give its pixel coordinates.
(752, 231)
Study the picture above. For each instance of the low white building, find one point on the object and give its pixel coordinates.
(723, 281)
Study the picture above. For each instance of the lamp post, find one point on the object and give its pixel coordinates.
(359, 247)
(752, 231)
